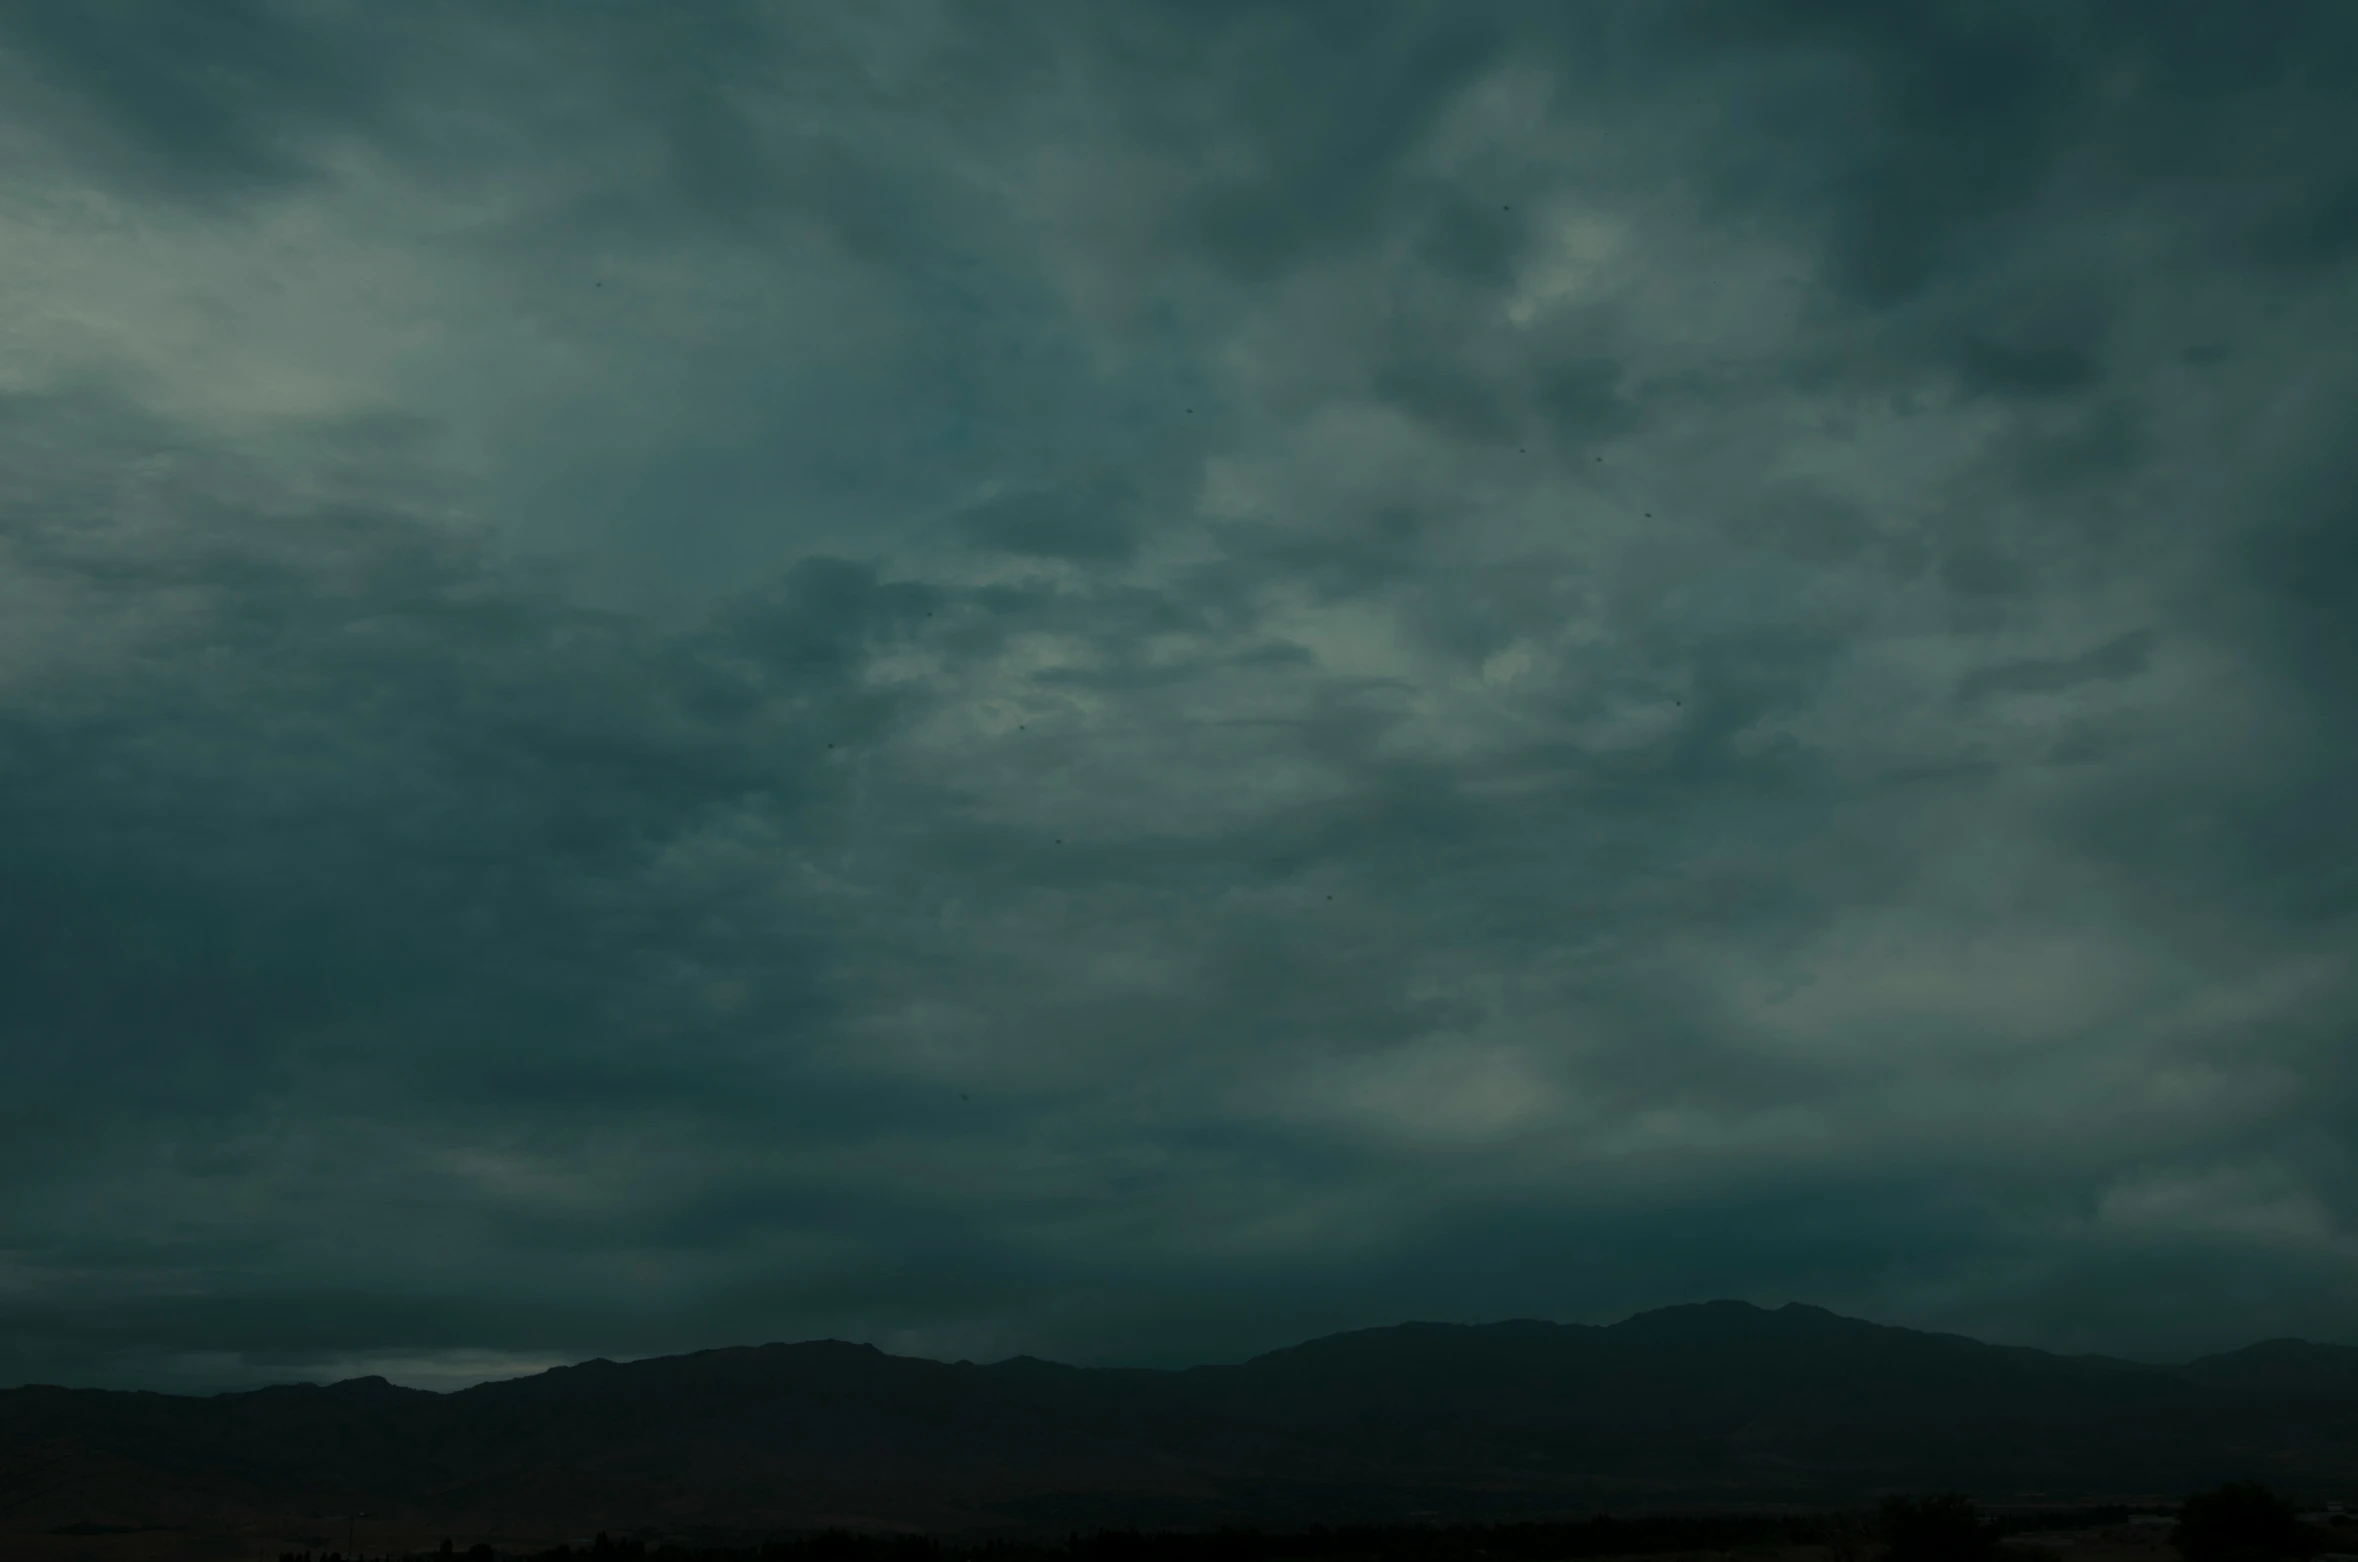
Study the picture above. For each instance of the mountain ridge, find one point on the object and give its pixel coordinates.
(1708, 1402)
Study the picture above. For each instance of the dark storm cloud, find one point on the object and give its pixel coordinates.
(1083, 523)
(1131, 682)
(195, 105)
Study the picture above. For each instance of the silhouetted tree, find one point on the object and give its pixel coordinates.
(2242, 1521)
(1846, 1536)
(1940, 1528)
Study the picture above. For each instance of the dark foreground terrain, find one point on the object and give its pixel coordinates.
(1720, 1405)
(2051, 1535)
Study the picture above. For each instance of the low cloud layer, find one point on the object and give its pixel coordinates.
(1135, 681)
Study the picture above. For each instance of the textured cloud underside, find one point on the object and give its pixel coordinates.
(1131, 681)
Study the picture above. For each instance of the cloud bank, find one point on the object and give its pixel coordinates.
(1134, 681)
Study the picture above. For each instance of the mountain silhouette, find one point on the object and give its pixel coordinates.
(1716, 1402)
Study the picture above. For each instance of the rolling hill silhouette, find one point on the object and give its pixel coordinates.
(1717, 1402)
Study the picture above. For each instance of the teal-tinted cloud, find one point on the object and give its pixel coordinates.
(1134, 681)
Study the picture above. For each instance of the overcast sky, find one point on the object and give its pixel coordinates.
(1137, 681)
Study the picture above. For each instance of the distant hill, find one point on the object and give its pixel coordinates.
(2293, 1366)
(1715, 1403)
